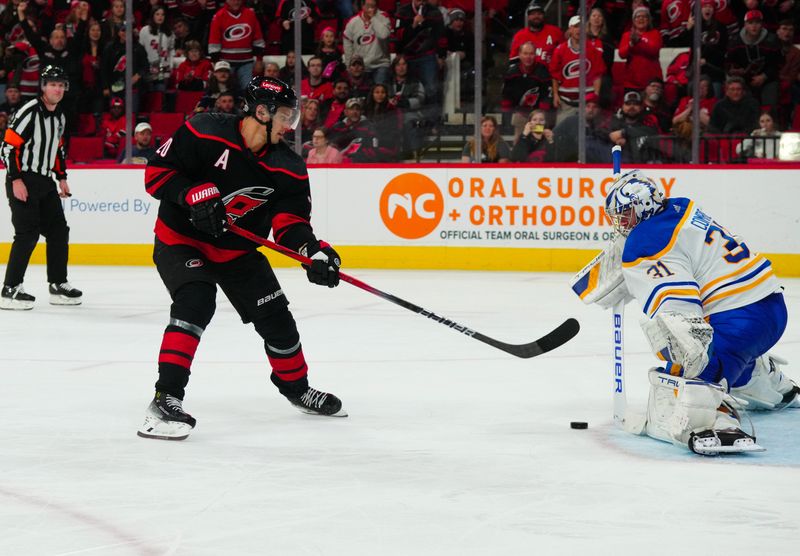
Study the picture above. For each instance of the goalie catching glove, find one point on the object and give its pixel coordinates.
(325, 263)
(681, 339)
(206, 209)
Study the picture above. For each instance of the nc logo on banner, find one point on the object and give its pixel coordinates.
(411, 206)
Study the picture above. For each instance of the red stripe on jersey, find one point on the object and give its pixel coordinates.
(180, 341)
(296, 176)
(211, 137)
(175, 359)
(211, 252)
(283, 220)
(155, 178)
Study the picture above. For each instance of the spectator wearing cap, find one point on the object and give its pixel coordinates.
(755, 56)
(194, 73)
(315, 85)
(640, 49)
(543, 36)
(61, 52)
(112, 68)
(354, 136)
(420, 28)
(142, 149)
(460, 41)
(322, 152)
(309, 15)
(330, 53)
(13, 100)
(360, 83)
(235, 36)
(112, 128)
(221, 81)
(387, 123)
(630, 129)
(494, 149)
(565, 71)
(91, 99)
(598, 146)
(736, 112)
(368, 35)
(713, 45)
(526, 86)
(332, 109)
(654, 106)
(159, 43)
(675, 18)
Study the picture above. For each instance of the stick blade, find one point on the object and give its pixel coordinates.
(550, 341)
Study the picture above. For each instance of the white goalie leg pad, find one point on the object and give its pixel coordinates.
(768, 387)
(681, 339)
(677, 407)
(601, 280)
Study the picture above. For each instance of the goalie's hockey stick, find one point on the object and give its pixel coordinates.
(618, 329)
(561, 335)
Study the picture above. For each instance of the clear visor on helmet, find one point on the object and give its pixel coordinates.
(286, 117)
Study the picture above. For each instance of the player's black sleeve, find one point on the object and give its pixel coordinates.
(167, 172)
(291, 215)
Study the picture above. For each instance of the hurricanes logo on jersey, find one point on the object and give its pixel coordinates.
(237, 32)
(366, 38)
(244, 200)
(572, 70)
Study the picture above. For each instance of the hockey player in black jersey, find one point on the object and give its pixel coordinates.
(215, 169)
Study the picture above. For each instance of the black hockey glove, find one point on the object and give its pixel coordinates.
(206, 210)
(325, 263)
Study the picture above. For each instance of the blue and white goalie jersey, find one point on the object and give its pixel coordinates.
(682, 260)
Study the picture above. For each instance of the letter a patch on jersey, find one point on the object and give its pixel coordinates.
(222, 161)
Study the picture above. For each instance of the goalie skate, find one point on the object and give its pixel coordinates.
(728, 441)
(165, 419)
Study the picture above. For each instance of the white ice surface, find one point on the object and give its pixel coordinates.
(451, 447)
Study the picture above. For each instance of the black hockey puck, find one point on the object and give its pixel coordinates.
(579, 425)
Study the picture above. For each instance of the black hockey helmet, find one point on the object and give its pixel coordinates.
(53, 73)
(272, 93)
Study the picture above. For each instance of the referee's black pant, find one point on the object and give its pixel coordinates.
(41, 214)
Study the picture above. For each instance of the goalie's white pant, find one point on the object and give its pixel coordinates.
(768, 387)
(678, 406)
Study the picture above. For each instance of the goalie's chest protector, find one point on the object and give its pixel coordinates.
(682, 257)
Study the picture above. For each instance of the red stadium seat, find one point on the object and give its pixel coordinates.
(185, 101)
(164, 124)
(87, 125)
(85, 149)
(154, 102)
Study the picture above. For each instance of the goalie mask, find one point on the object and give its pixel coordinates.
(633, 198)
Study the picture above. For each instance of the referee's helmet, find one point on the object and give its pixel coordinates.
(53, 73)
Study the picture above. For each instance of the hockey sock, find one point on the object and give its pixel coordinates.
(191, 311)
(284, 352)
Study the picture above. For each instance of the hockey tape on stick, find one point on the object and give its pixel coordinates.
(559, 336)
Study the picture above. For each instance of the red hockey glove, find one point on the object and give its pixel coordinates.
(206, 210)
(325, 263)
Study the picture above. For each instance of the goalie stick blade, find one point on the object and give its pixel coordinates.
(558, 337)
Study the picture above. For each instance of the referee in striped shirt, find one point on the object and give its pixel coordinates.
(33, 150)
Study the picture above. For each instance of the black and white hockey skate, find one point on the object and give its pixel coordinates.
(14, 298)
(728, 441)
(165, 419)
(315, 402)
(65, 294)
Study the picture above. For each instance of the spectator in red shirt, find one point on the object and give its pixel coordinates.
(91, 100)
(112, 128)
(682, 119)
(565, 71)
(640, 48)
(675, 17)
(235, 36)
(194, 73)
(543, 36)
(332, 109)
(315, 86)
(526, 85)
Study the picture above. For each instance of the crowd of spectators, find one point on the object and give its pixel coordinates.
(373, 71)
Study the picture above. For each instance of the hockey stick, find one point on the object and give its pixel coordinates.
(618, 327)
(561, 335)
